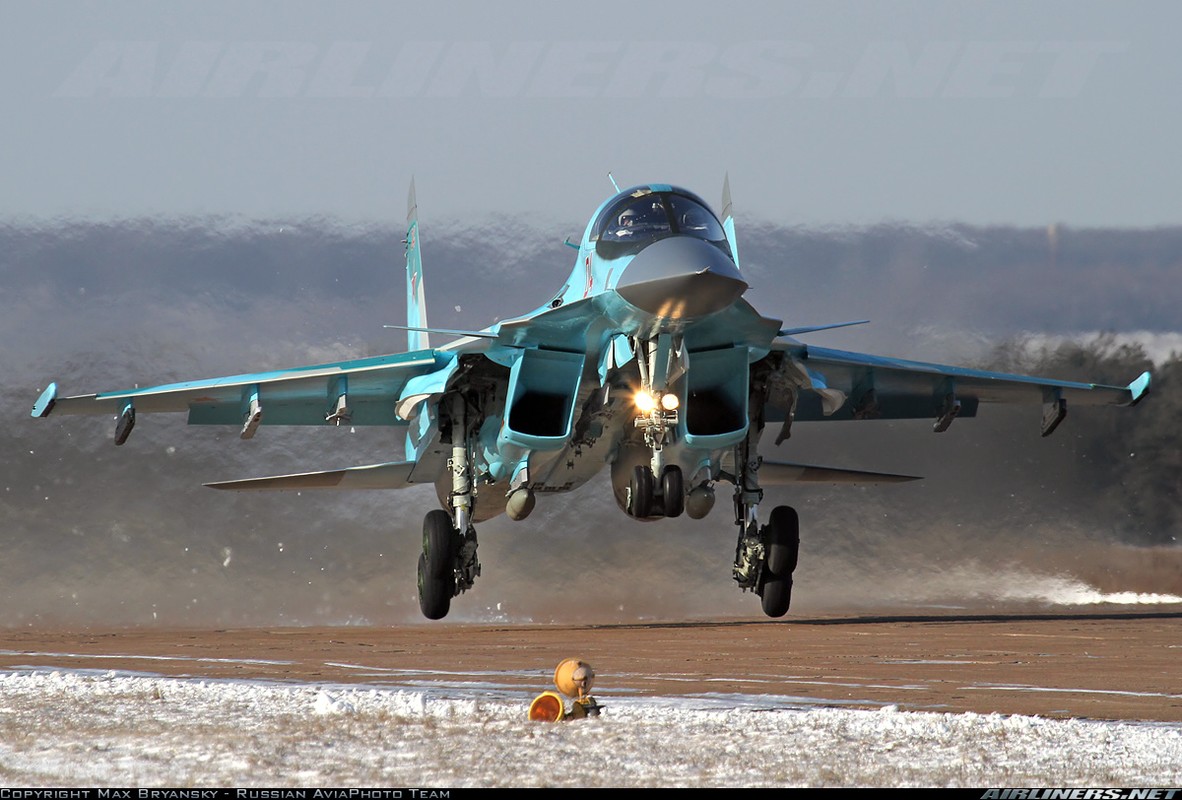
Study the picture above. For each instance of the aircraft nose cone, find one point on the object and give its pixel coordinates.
(679, 277)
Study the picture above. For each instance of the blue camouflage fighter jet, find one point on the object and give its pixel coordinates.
(648, 361)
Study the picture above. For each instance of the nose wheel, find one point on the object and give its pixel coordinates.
(673, 491)
(657, 489)
(640, 492)
(643, 500)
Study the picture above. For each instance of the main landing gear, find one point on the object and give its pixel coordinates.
(765, 556)
(765, 559)
(448, 563)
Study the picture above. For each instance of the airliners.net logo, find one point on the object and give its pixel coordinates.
(754, 70)
(1081, 794)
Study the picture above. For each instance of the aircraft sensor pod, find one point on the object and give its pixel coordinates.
(699, 502)
(520, 503)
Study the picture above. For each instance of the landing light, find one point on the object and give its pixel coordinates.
(645, 401)
(670, 402)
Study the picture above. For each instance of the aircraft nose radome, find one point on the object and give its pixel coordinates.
(681, 276)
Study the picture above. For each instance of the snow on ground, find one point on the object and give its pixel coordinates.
(77, 728)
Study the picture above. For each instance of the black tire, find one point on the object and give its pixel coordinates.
(782, 537)
(438, 543)
(775, 596)
(640, 492)
(673, 488)
(434, 593)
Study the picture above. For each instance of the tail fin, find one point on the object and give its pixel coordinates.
(728, 218)
(416, 301)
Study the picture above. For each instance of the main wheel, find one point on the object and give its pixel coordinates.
(434, 593)
(438, 543)
(640, 492)
(673, 489)
(782, 537)
(776, 595)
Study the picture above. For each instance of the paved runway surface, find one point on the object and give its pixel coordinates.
(1085, 664)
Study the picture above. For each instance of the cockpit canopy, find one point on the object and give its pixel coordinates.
(642, 216)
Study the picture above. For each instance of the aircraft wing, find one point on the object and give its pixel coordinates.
(841, 385)
(391, 475)
(779, 473)
(359, 392)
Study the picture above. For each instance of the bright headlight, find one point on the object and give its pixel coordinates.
(670, 402)
(645, 401)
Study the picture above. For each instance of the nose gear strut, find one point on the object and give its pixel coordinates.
(657, 488)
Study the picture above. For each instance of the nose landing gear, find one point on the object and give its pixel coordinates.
(657, 489)
(643, 500)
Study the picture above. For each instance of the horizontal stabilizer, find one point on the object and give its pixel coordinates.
(394, 475)
(774, 473)
(446, 331)
(814, 328)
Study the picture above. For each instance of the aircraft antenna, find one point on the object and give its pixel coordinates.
(613, 180)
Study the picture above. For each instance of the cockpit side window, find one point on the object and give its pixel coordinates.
(696, 220)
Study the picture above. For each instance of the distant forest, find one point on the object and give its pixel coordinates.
(1055, 279)
(1131, 461)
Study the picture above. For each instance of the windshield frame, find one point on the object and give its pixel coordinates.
(660, 215)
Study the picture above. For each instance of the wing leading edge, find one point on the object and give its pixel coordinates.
(358, 392)
(843, 385)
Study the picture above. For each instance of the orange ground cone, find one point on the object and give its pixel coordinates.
(547, 707)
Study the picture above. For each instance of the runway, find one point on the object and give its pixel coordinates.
(1087, 664)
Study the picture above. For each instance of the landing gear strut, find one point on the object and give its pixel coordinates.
(657, 488)
(448, 563)
(765, 556)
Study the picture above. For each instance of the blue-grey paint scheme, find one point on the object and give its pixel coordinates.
(654, 307)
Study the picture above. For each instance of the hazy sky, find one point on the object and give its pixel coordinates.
(822, 112)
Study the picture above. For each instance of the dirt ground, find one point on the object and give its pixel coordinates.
(1118, 665)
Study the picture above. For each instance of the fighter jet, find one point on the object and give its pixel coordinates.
(648, 362)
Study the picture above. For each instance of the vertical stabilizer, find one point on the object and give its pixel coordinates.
(728, 218)
(416, 301)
